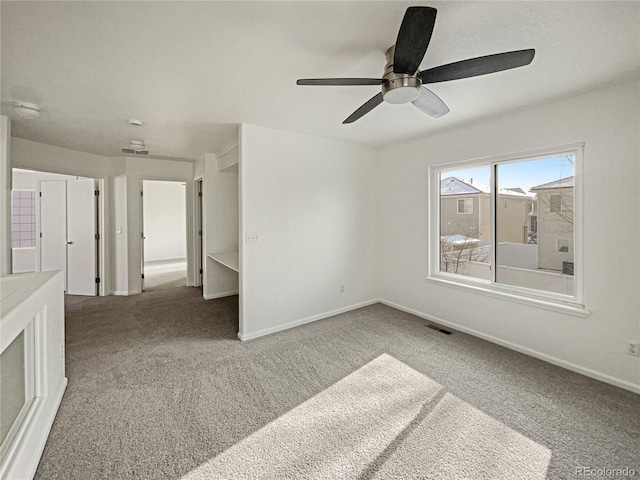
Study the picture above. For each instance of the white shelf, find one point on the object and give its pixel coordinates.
(228, 259)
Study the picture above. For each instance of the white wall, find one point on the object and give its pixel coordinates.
(165, 221)
(312, 203)
(608, 122)
(5, 195)
(221, 224)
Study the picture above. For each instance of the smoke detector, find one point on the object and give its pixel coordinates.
(26, 110)
(136, 147)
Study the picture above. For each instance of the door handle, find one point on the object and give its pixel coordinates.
(69, 243)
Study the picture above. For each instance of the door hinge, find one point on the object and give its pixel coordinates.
(199, 232)
(97, 193)
(97, 236)
(40, 234)
(98, 280)
(143, 275)
(199, 194)
(201, 271)
(141, 194)
(40, 193)
(142, 235)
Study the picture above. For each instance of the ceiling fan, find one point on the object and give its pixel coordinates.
(403, 83)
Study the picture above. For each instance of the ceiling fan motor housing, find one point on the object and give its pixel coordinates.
(399, 88)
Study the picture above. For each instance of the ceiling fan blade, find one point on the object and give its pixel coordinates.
(339, 81)
(478, 66)
(431, 104)
(364, 109)
(413, 39)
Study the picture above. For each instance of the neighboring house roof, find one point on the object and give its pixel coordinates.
(458, 186)
(562, 183)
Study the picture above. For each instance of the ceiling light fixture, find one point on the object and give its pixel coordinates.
(26, 110)
(137, 145)
(135, 122)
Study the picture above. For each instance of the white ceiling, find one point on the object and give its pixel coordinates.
(192, 71)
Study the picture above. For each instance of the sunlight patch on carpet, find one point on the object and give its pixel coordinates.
(385, 420)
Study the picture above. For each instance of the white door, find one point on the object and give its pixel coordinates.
(53, 226)
(81, 240)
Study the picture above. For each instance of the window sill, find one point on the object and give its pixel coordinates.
(575, 310)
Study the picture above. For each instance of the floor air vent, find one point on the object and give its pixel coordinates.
(439, 329)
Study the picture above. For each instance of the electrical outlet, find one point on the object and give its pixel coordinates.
(341, 288)
(633, 349)
(253, 237)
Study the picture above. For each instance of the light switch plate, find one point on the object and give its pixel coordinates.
(253, 237)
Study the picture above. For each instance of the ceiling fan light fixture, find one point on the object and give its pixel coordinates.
(26, 110)
(398, 89)
(400, 95)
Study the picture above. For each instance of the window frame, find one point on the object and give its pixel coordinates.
(564, 303)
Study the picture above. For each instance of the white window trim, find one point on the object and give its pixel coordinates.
(573, 305)
(458, 206)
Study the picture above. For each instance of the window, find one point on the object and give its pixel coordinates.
(528, 248)
(465, 205)
(563, 245)
(23, 219)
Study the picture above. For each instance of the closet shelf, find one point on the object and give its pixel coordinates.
(228, 259)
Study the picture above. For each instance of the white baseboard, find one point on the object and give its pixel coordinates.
(588, 372)
(220, 295)
(296, 323)
(24, 455)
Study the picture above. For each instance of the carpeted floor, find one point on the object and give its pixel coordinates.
(160, 388)
(155, 280)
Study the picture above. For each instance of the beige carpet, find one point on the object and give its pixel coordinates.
(159, 387)
(156, 280)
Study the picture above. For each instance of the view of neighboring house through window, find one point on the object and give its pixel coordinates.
(519, 217)
(465, 231)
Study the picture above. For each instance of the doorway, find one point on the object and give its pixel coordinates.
(56, 226)
(164, 234)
